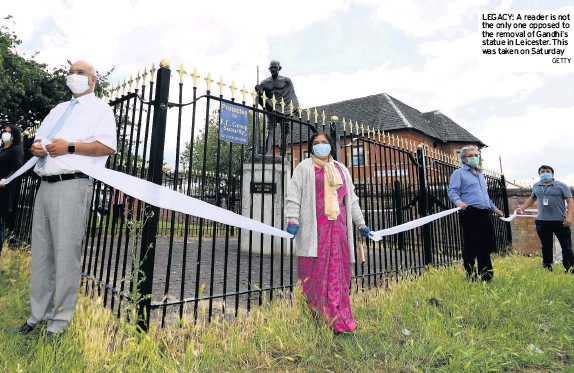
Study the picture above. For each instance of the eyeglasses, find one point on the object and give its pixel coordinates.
(79, 72)
(472, 156)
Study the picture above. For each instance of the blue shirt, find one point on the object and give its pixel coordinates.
(555, 193)
(469, 188)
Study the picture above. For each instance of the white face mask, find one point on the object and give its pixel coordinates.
(6, 137)
(77, 83)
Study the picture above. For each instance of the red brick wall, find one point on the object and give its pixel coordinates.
(408, 138)
(408, 135)
(524, 237)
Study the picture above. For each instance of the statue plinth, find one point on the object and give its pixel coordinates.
(265, 158)
(264, 190)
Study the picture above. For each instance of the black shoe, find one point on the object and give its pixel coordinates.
(25, 328)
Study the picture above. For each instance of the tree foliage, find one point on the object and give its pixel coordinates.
(206, 148)
(29, 89)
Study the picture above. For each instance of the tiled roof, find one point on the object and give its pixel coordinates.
(449, 130)
(386, 113)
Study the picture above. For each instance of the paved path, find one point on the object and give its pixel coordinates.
(231, 271)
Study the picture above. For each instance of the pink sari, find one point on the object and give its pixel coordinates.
(326, 279)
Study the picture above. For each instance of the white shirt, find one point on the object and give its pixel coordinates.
(91, 120)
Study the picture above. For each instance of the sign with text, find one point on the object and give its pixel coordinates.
(263, 187)
(526, 40)
(234, 124)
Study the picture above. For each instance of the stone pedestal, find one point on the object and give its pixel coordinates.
(264, 189)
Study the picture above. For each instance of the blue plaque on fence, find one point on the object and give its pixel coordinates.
(234, 123)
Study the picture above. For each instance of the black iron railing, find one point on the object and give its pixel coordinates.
(180, 266)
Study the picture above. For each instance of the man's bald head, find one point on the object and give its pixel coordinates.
(85, 66)
(274, 68)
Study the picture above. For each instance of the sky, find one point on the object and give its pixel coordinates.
(424, 53)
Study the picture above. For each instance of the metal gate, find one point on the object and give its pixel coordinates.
(176, 266)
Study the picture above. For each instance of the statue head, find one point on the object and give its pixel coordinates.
(274, 68)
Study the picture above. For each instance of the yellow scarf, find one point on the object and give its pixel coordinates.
(333, 182)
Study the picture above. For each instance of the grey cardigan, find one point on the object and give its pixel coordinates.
(300, 208)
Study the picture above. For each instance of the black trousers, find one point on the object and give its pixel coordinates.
(545, 230)
(284, 126)
(478, 234)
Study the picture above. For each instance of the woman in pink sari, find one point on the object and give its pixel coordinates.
(320, 206)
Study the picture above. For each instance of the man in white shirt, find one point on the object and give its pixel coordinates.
(85, 128)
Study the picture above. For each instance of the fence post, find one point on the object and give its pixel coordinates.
(423, 203)
(506, 208)
(155, 174)
(335, 133)
(398, 207)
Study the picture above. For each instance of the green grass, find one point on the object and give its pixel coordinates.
(164, 229)
(522, 322)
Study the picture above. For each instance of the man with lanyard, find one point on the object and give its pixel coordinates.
(553, 217)
(83, 129)
(468, 191)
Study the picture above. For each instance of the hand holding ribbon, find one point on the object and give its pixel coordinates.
(366, 232)
(292, 228)
(517, 214)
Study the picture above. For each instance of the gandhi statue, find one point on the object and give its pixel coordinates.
(282, 88)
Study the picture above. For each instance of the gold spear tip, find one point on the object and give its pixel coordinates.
(334, 118)
(164, 63)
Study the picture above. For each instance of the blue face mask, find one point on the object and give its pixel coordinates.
(472, 161)
(546, 177)
(321, 150)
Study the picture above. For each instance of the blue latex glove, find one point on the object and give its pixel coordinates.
(366, 232)
(292, 229)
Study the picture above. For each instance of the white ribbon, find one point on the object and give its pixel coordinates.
(378, 235)
(160, 196)
(28, 165)
(515, 215)
(166, 198)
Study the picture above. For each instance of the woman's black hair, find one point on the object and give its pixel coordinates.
(310, 143)
(16, 134)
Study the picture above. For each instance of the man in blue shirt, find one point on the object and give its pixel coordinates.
(468, 191)
(553, 217)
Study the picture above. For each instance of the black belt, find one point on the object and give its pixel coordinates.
(476, 208)
(62, 177)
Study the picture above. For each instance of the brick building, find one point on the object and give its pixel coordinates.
(386, 113)
(383, 113)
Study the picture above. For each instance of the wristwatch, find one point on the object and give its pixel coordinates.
(71, 148)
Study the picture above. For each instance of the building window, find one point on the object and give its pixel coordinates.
(358, 157)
